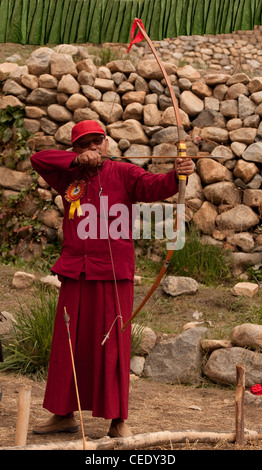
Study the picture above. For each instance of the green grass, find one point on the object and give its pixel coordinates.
(103, 55)
(207, 264)
(27, 346)
(136, 338)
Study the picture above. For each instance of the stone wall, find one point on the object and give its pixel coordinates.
(190, 357)
(239, 51)
(221, 115)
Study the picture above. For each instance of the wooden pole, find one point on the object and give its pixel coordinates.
(22, 423)
(67, 318)
(239, 404)
(140, 441)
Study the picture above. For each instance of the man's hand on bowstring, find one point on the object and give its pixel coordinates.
(92, 158)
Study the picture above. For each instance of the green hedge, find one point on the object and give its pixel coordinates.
(97, 21)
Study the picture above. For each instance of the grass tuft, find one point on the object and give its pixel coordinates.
(27, 346)
(207, 264)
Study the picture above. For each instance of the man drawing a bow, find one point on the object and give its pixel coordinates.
(96, 277)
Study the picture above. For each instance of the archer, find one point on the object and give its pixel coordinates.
(96, 277)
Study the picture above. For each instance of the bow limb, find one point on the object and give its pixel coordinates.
(182, 178)
(180, 128)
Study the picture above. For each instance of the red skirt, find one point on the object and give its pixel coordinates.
(102, 370)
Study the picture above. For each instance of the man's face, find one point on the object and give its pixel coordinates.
(93, 142)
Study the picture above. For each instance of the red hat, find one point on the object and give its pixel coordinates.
(84, 128)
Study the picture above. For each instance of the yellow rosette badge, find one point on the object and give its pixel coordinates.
(73, 194)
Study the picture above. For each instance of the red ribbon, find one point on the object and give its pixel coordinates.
(139, 37)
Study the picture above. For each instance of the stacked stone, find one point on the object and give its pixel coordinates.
(221, 114)
(189, 356)
(239, 50)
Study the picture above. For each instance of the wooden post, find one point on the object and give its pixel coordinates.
(239, 404)
(23, 415)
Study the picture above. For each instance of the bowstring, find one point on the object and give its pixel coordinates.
(119, 313)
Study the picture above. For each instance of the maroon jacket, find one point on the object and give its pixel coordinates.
(123, 183)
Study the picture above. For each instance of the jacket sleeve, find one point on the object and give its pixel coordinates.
(143, 186)
(54, 166)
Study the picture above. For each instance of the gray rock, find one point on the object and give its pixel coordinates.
(251, 399)
(51, 280)
(131, 130)
(223, 192)
(256, 182)
(147, 339)
(48, 126)
(253, 152)
(138, 150)
(208, 118)
(246, 107)
(190, 103)
(169, 134)
(39, 61)
(243, 240)
(62, 64)
(22, 280)
(13, 179)
(239, 218)
(221, 366)
(59, 113)
(42, 97)
(241, 261)
(137, 364)
(178, 285)
(248, 335)
(7, 322)
(12, 88)
(63, 133)
(91, 93)
(177, 360)
(107, 111)
(121, 66)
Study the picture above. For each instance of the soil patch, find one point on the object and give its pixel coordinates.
(153, 407)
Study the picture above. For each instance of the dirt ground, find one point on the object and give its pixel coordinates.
(153, 406)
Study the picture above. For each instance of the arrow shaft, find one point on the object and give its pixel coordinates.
(66, 317)
(195, 157)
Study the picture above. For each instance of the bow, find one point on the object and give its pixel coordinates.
(181, 153)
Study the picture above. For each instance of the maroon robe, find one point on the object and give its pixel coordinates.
(88, 290)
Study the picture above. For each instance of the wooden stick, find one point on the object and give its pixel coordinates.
(22, 423)
(239, 404)
(66, 317)
(140, 441)
(194, 157)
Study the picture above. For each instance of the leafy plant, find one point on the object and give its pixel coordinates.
(255, 273)
(11, 126)
(27, 347)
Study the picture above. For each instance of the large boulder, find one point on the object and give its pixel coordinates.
(248, 335)
(177, 360)
(221, 366)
